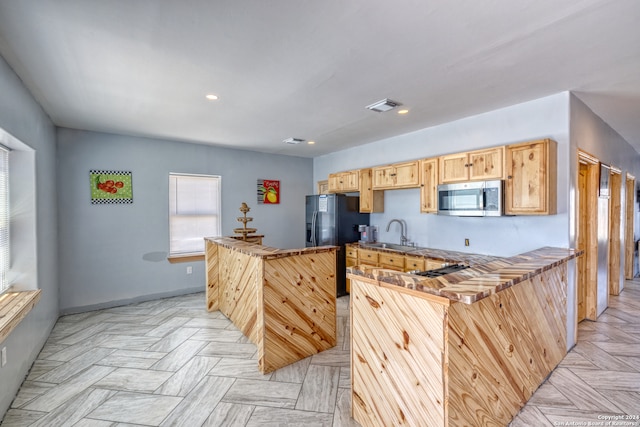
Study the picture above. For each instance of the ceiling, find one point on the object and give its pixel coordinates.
(307, 69)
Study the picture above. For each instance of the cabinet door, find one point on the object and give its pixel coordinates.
(383, 177)
(429, 186)
(370, 201)
(486, 164)
(368, 257)
(350, 181)
(391, 261)
(413, 263)
(531, 178)
(334, 183)
(407, 175)
(454, 168)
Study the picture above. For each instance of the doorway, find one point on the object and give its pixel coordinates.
(587, 236)
(629, 241)
(615, 219)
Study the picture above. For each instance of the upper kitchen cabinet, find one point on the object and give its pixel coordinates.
(531, 178)
(476, 165)
(344, 182)
(399, 175)
(429, 186)
(371, 201)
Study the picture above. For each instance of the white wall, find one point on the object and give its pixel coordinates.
(114, 254)
(24, 119)
(505, 236)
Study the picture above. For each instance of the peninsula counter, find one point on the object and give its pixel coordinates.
(283, 300)
(464, 349)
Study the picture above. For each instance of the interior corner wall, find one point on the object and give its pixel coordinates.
(591, 134)
(23, 118)
(116, 254)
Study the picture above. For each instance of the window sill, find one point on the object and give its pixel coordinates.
(174, 259)
(14, 306)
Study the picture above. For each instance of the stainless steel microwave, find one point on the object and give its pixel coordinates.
(480, 198)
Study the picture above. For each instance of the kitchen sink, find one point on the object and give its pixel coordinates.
(390, 246)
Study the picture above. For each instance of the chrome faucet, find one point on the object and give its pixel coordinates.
(403, 229)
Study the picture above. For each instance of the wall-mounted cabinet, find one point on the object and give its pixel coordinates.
(344, 182)
(371, 201)
(399, 175)
(531, 178)
(472, 166)
(429, 185)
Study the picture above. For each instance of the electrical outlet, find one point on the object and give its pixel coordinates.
(189, 270)
(4, 356)
(466, 242)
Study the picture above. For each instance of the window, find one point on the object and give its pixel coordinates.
(4, 219)
(194, 212)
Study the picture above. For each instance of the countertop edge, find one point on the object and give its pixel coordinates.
(265, 252)
(477, 282)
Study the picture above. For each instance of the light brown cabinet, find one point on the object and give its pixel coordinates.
(371, 200)
(368, 257)
(429, 185)
(399, 175)
(472, 166)
(413, 263)
(391, 261)
(531, 178)
(344, 182)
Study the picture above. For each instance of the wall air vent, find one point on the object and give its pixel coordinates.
(293, 141)
(384, 105)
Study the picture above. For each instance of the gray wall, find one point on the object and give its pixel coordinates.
(543, 118)
(24, 119)
(113, 254)
(590, 134)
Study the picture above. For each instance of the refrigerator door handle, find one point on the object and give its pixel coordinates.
(314, 218)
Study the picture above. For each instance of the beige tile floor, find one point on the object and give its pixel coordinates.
(169, 362)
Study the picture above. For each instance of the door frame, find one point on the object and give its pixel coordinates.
(616, 213)
(589, 214)
(629, 241)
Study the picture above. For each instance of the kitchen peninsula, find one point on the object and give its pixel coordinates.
(283, 300)
(465, 349)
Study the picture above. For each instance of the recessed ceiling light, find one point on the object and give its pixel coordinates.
(311, 142)
(211, 97)
(405, 111)
(383, 105)
(293, 141)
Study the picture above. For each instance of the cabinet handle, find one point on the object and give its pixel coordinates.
(509, 177)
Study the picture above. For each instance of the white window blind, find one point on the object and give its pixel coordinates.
(194, 211)
(4, 219)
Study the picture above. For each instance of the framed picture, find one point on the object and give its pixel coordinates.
(268, 192)
(109, 187)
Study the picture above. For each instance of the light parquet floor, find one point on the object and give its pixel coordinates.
(169, 362)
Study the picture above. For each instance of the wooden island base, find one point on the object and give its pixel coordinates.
(284, 301)
(420, 359)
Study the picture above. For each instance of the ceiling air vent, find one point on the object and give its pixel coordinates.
(293, 141)
(384, 105)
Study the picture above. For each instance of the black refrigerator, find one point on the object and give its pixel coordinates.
(333, 219)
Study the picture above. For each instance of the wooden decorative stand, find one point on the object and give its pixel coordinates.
(246, 234)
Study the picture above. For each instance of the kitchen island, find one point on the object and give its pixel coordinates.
(464, 349)
(283, 300)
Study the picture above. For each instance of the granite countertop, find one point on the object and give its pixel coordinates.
(452, 257)
(477, 282)
(265, 252)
